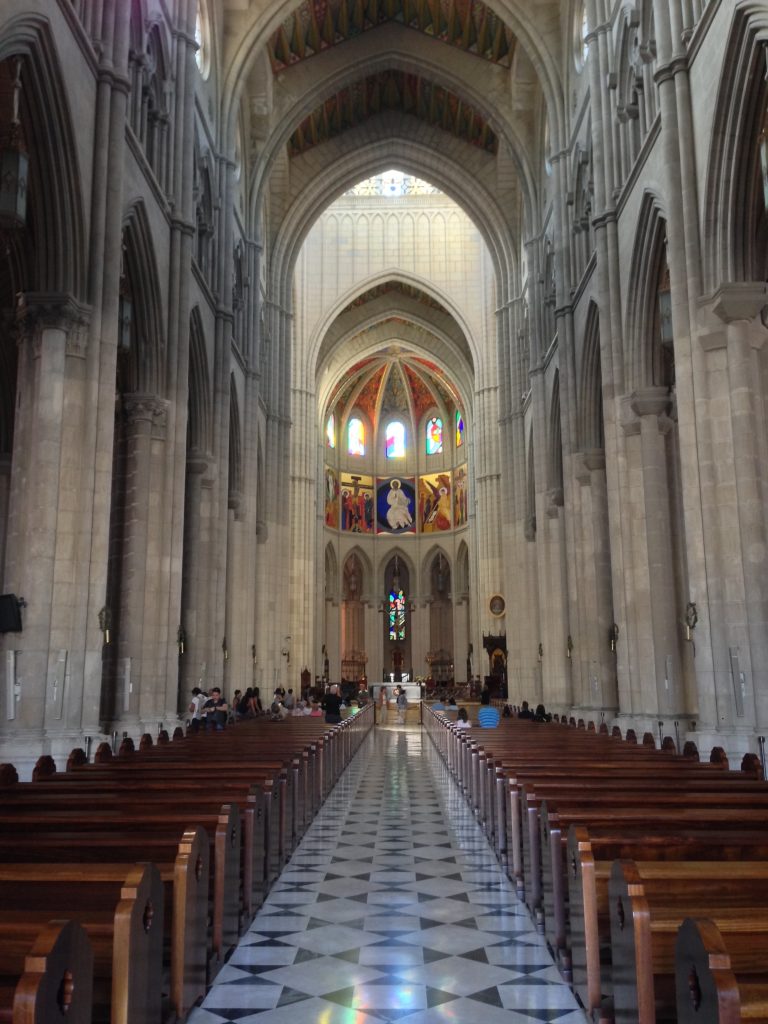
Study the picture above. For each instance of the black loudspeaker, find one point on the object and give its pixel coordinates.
(10, 614)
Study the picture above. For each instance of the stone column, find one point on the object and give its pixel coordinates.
(139, 412)
(193, 662)
(41, 498)
(598, 663)
(656, 624)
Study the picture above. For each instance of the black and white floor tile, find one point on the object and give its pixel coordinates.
(392, 909)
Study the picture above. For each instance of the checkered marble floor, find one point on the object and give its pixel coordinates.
(392, 909)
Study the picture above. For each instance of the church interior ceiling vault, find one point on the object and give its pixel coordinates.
(400, 92)
(317, 25)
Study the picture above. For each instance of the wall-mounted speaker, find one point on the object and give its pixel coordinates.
(10, 614)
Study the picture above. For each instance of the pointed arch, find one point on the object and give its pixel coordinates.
(461, 575)
(647, 256)
(591, 429)
(331, 573)
(55, 206)
(555, 440)
(235, 447)
(147, 372)
(728, 231)
(368, 578)
(199, 428)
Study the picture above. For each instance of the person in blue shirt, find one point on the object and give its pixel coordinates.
(488, 717)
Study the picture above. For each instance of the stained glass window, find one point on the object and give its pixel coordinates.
(356, 437)
(395, 437)
(330, 431)
(435, 436)
(396, 615)
(459, 429)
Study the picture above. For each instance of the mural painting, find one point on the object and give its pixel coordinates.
(357, 503)
(396, 505)
(460, 496)
(435, 502)
(331, 498)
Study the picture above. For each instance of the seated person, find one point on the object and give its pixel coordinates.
(541, 714)
(488, 717)
(278, 711)
(438, 705)
(462, 719)
(525, 711)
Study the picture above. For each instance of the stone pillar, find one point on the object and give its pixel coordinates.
(592, 647)
(41, 497)
(139, 412)
(656, 624)
(194, 612)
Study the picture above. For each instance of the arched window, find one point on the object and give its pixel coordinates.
(330, 431)
(356, 437)
(395, 440)
(435, 436)
(396, 613)
(459, 429)
(202, 38)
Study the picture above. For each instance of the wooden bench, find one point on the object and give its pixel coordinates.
(122, 916)
(50, 980)
(721, 979)
(649, 903)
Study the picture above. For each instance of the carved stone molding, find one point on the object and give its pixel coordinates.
(40, 311)
(149, 409)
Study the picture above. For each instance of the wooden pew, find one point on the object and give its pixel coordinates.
(721, 980)
(591, 854)
(49, 981)
(120, 913)
(648, 904)
(181, 795)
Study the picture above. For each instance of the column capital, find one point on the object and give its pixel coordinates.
(40, 311)
(737, 300)
(148, 409)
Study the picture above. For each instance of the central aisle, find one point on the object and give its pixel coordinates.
(393, 908)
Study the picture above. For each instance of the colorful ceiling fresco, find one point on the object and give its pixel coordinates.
(317, 25)
(394, 382)
(398, 91)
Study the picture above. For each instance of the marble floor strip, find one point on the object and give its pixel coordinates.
(392, 909)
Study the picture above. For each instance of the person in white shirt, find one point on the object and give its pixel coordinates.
(462, 721)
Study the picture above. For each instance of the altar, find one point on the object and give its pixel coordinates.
(413, 691)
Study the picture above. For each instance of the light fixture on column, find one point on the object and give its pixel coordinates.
(181, 639)
(569, 646)
(125, 309)
(105, 623)
(14, 165)
(691, 618)
(286, 649)
(225, 649)
(613, 636)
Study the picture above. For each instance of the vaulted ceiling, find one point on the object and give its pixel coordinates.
(395, 381)
(317, 25)
(397, 91)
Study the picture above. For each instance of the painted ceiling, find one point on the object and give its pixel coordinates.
(396, 91)
(395, 382)
(317, 25)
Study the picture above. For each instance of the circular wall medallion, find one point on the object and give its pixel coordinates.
(497, 605)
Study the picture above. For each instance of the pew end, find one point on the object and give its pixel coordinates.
(56, 984)
(707, 988)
